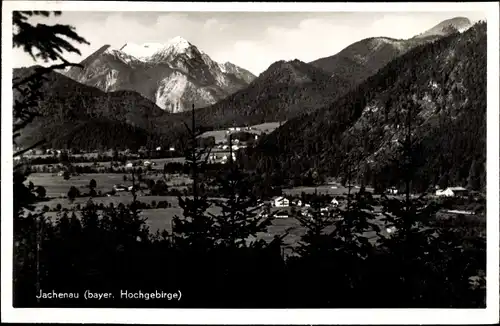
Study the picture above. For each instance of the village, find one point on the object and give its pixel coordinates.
(162, 174)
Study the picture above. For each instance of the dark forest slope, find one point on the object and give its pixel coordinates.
(285, 90)
(443, 82)
(76, 115)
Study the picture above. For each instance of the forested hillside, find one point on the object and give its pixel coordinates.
(364, 58)
(285, 90)
(444, 85)
(71, 114)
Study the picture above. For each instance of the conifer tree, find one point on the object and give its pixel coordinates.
(409, 242)
(48, 43)
(239, 218)
(474, 179)
(192, 230)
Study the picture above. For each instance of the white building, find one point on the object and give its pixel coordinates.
(392, 191)
(451, 192)
(281, 202)
(119, 188)
(334, 202)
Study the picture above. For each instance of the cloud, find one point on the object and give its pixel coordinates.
(402, 26)
(309, 40)
(214, 24)
(314, 38)
(251, 40)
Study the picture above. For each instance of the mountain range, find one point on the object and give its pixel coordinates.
(173, 75)
(362, 59)
(442, 85)
(290, 88)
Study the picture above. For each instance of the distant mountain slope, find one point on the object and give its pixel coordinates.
(444, 82)
(362, 59)
(286, 89)
(172, 75)
(447, 27)
(68, 108)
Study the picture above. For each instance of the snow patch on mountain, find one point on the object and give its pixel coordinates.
(160, 51)
(179, 44)
(120, 55)
(141, 52)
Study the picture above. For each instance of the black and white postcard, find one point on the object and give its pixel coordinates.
(250, 163)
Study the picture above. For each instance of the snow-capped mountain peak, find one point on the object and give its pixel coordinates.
(179, 43)
(174, 74)
(147, 51)
(142, 51)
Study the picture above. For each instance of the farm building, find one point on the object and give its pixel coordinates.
(451, 192)
(220, 157)
(280, 202)
(392, 191)
(120, 188)
(282, 214)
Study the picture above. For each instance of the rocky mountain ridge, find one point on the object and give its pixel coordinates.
(173, 75)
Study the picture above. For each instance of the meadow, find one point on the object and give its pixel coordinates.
(221, 134)
(56, 186)
(159, 162)
(161, 219)
(330, 189)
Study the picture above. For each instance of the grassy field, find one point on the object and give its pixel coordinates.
(333, 190)
(161, 219)
(159, 162)
(56, 186)
(221, 135)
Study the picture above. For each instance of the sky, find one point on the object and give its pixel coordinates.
(252, 40)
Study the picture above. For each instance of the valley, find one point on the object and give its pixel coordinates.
(362, 172)
(284, 156)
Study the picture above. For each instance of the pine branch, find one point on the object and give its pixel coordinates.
(48, 40)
